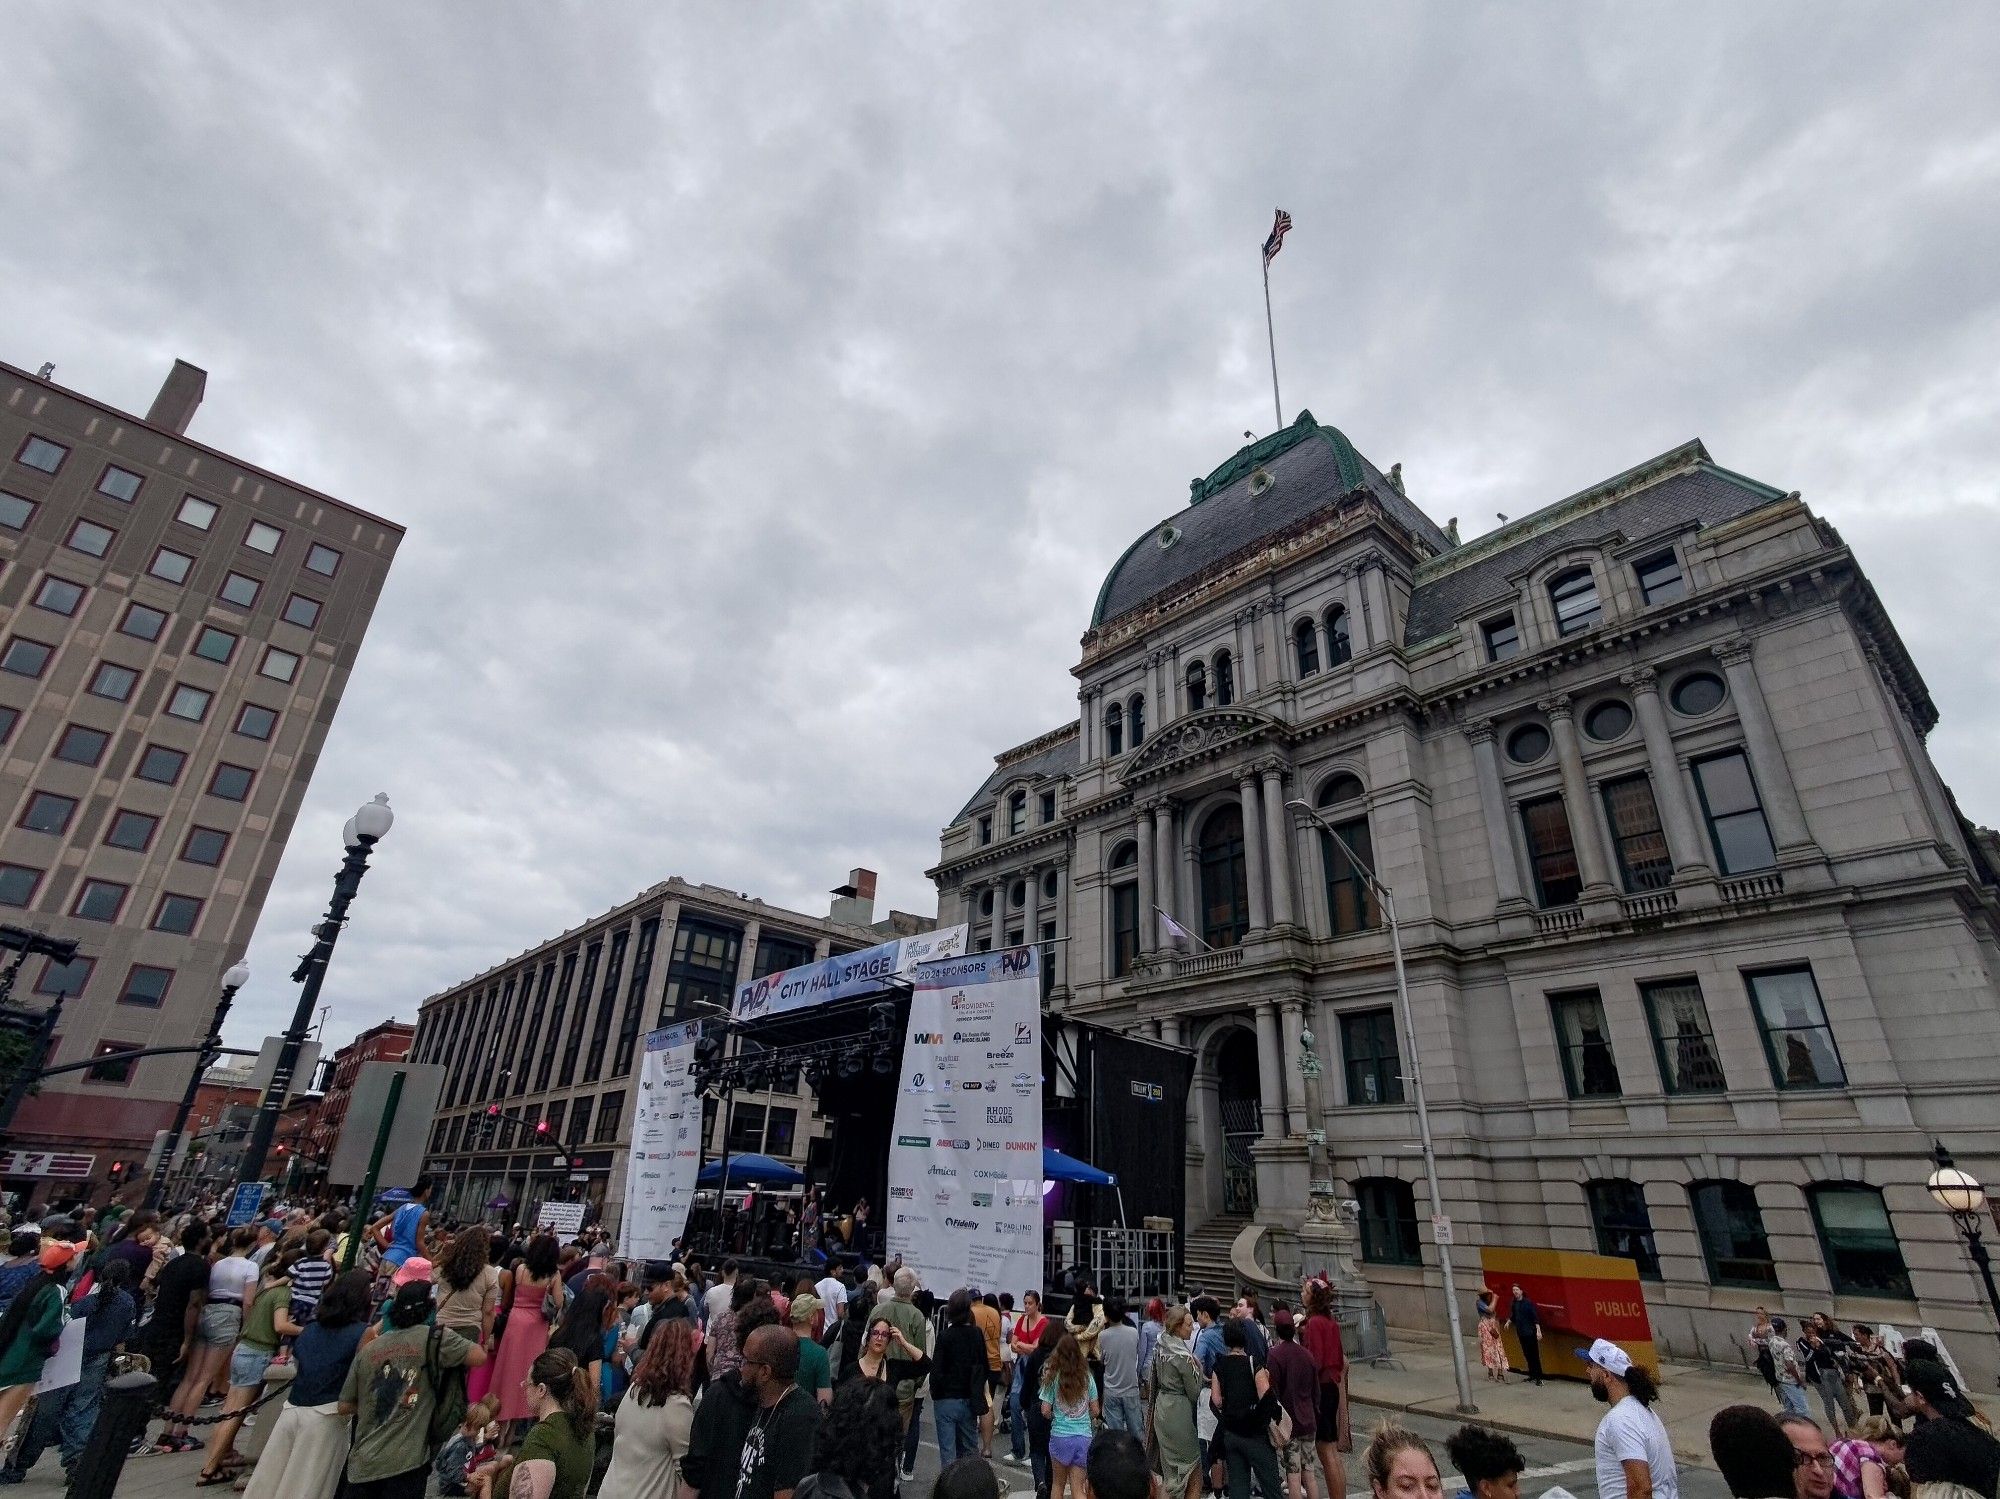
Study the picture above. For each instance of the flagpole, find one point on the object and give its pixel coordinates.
(1270, 333)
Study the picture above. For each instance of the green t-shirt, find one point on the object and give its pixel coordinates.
(554, 1439)
(815, 1368)
(393, 1400)
(260, 1328)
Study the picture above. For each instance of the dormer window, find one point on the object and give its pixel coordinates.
(1501, 637)
(1048, 806)
(1574, 594)
(1660, 579)
(986, 830)
(1017, 814)
(1197, 687)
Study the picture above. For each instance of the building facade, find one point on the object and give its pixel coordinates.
(553, 1038)
(1701, 953)
(387, 1042)
(177, 627)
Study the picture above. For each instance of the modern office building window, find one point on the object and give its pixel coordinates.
(15, 512)
(240, 589)
(1735, 816)
(215, 645)
(1798, 1039)
(586, 991)
(205, 846)
(746, 1128)
(119, 1071)
(1683, 1039)
(25, 657)
(18, 884)
(579, 1121)
(131, 830)
(607, 1008)
(81, 746)
(255, 721)
(635, 994)
(702, 967)
(780, 1131)
(47, 812)
(70, 978)
(231, 783)
(1551, 852)
(177, 914)
(1733, 1241)
(190, 703)
(142, 622)
(120, 484)
(59, 596)
(146, 985)
(322, 559)
(1858, 1241)
(196, 512)
(9, 717)
(610, 1114)
(170, 566)
(88, 537)
(111, 680)
(261, 537)
(1624, 1227)
(40, 453)
(1368, 1046)
(1388, 1221)
(160, 764)
(1501, 637)
(279, 666)
(1660, 579)
(302, 611)
(99, 900)
(1589, 1068)
(1636, 834)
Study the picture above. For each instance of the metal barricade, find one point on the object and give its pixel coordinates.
(1137, 1262)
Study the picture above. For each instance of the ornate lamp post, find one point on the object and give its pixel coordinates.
(1959, 1194)
(237, 976)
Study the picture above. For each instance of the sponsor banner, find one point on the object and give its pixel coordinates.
(666, 1145)
(965, 1166)
(844, 976)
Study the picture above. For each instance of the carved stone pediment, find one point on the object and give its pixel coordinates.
(1197, 737)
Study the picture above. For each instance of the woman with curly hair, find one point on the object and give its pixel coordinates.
(1489, 1463)
(1070, 1405)
(467, 1288)
(854, 1454)
(655, 1417)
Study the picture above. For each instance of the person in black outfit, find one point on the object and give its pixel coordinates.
(1528, 1328)
(1243, 1392)
(855, 1453)
(958, 1382)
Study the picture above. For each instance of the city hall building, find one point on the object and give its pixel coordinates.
(1700, 950)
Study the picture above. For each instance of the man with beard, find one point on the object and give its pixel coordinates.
(1635, 1460)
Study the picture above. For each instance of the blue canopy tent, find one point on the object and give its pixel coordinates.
(750, 1171)
(1057, 1167)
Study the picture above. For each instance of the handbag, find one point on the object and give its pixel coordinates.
(1280, 1426)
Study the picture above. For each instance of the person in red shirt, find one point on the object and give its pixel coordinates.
(1321, 1336)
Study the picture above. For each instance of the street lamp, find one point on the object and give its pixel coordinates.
(364, 830)
(237, 976)
(1959, 1194)
(1413, 1070)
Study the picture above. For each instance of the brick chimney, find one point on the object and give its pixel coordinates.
(174, 407)
(854, 902)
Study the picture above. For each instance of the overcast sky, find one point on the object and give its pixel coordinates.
(767, 388)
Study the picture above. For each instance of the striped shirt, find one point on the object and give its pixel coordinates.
(310, 1277)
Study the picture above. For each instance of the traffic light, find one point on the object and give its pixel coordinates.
(118, 1169)
(491, 1130)
(542, 1130)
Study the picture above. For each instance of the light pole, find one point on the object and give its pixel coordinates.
(1959, 1193)
(364, 830)
(237, 976)
(1414, 1071)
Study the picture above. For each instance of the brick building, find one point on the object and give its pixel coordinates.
(387, 1042)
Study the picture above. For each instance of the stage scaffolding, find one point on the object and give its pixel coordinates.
(1138, 1262)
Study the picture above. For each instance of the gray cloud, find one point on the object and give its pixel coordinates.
(766, 389)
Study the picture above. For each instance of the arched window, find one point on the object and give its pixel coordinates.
(1225, 899)
(1574, 594)
(1017, 814)
(1350, 902)
(1339, 646)
(1225, 679)
(1624, 1227)
(1124, 909)
(1388, 1221)
(1859, 1243)
(1114, 729)
(1137, 713)
(1197, 687)
(1733, 1241)
(1305, 642)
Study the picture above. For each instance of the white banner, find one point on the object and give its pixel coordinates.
(965, 1170)
(666, 1146)
(563, 1219)
(843, 977)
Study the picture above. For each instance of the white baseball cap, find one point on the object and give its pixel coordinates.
(1608, 1356)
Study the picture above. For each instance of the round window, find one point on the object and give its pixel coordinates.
(1697, 693)
(1527, 744)
(1607, 720)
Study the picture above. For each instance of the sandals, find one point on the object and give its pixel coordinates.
(208, 1480)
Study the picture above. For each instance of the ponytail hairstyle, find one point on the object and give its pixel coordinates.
(1642, 1386)
(557, 1371)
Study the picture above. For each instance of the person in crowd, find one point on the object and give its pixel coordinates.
(723, 1421)
(1952, 1459)
(66, 1416)
(29, 1329)
(588, 1317)
(232, 1279)
(1207, 1332)
(716, 1302)
(1255, 1338)
(1400, 1466)
(1151, 1325)
(1864, 1459)
(555, 1458)
(1812, 1462)
(815, 1369)
(133, 1244)
(1753, 1453)
(1874, 1366)
(655, 1418)
(1118, 1356)
(778, 1451)
(468, 1449)
(23, 1264)
(1069, 1400)
(527, 1331)
(987, 1318)
(1635, 1460)
(405, 1232)
(724, 1342)
(958, 1381)
(1320, 1334)
(1086, 1322)
(1492, 1347)
(855, 1451)
(1528, 1329)
(266, 1323)
(304, 1454)
(1178, 1394)
(1934, 1393)
(170, 1339)
(1490, 1464)
(1022, 1339)
(391, 1400)
(467, 1286)
(311, 1273)
(1242, 1395)
(968, 1478)
(1788, 1369)
(1820, 1344)
(1117, 1468)
(1295, 1383)
(1033, 1373)
(901, 1311)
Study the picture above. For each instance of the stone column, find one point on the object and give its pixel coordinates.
(1360, 634)
(1246, 653)
(1149, 924)
(1585, 826)
(1271, 1088)
(1253, 847)
(972, 908)
(1030, 905)
(746, 956)
(1155, 704)
(1086, 712)
(998, 927)
(1278, 841)
(1165, 849)
(1684, 843)
(1276, 643)
(1173, 1030)
(1060, 963)
(1293, 1017)
(1767, 757)
(1494, 810)
(1375, 588)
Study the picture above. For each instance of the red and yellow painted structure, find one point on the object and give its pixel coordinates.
(1578, 1297)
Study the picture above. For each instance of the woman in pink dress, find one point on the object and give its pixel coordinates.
(527, 1333)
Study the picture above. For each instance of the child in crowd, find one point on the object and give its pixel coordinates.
(473, 1446)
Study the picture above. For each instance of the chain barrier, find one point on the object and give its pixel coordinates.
(139, 1364)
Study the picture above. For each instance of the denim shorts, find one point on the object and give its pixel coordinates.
(247, 1366)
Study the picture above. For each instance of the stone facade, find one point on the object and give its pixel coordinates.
(1700, 953)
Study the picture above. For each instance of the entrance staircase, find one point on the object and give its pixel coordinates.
(1206, 1268)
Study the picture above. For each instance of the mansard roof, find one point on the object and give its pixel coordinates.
(1055, 753)
(1310, 466)
(1680, 487)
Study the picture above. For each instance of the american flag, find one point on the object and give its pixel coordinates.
(1280, 227)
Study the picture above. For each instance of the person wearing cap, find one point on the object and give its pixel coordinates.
(1934, 1394)
(29, 1329)
(1635, 1460)
(411, 1272)
(1946, 1456)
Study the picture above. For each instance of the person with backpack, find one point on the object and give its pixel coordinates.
(393, 1394)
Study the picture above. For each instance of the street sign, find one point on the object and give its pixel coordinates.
(244, 1206)
(564, 1218)
(267, 1063)
(579, 1176)
(409, 1133)
(1440, 1229)
(50, 1163)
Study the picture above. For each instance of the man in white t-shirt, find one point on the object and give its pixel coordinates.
(833, 1296)
(719, 1294)
(1635, 1460)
